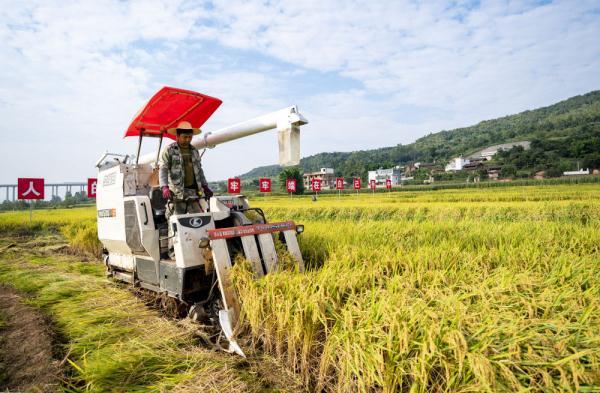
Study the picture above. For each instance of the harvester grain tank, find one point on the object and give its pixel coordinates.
(187, 257)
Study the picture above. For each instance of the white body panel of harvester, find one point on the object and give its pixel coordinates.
(187, 255)
(188, 231)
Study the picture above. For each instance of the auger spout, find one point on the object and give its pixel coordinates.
(287, 121)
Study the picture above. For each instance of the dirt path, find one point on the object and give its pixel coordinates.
(27, 360)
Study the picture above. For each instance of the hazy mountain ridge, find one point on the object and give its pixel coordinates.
(579, 115)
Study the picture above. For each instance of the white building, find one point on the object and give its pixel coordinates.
(326, 175)
(577, 173)
(381, 175)
(457, 164)
(489, 152)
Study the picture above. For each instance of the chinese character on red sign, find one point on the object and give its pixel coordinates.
(30, 188)
(388, 184)
(339, 183)
(316, 185)
(290, 185)
(373, 184)
(233, 185)
(264, 184)
(356, 182)
(91, 189)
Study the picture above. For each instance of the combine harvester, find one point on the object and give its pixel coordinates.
(137, 236)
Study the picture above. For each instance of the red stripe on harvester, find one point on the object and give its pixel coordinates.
(249, 230)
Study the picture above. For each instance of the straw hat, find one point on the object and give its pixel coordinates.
(183, 125)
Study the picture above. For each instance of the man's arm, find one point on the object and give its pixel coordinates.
(207, 191)
(202, 179)
(163, 169)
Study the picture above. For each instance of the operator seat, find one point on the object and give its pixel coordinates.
(159, 204)
(156, 199)
(159, 207)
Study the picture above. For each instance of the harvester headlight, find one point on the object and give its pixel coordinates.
(204, 242)
(299, 229)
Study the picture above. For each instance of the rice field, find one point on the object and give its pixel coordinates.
(450, 291)
(469, 290)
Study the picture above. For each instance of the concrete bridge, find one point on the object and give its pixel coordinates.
(10, 193)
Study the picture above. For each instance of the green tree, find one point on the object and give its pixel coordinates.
(69, 200)
(509, 171)
(553, 172)
(292, 173)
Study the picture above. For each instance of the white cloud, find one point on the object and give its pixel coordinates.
(68, 86)
(433, 53)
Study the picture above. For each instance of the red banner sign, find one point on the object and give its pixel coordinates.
(91, 188)
(28, 188)
(373, 184)
(339, 183)
(264, 184)
(290, 185)
(388, 184)
(356, 183)
(316, 185)
(234, 185)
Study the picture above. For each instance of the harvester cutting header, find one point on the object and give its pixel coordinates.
(159, 234)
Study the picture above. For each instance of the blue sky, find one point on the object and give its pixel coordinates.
(365, 73)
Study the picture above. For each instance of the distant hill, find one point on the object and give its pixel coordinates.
(262, 171)
(564, 123)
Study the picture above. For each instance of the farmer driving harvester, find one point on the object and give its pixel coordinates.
(184, 257)
(180, 172)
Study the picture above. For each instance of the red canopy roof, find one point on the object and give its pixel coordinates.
(170, 106)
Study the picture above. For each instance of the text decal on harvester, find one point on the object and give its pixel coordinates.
(109, 179)
(249, 230)
(105, 213)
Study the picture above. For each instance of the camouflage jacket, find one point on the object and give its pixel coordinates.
(171, 169)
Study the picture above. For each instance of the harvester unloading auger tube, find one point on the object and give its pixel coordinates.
(187, 256)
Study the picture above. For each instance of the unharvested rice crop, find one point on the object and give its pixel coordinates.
(452, 290)
(471, 290)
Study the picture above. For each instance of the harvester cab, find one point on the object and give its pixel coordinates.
(186, 259)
